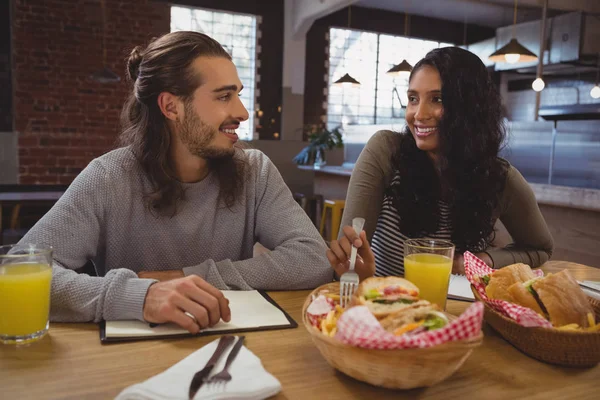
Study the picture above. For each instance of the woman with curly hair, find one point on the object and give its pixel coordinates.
(441, 177)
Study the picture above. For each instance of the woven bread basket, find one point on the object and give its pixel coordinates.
(553, 346)
(394, 369)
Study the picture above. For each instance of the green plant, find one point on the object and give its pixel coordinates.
(320, 139)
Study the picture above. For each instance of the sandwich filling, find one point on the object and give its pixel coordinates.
(529, 286)
(485, 279)
(414, 321)
(434, 320)
(391, 294)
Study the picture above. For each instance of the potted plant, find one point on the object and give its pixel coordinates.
(320, 139)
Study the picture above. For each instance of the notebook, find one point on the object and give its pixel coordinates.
(460, 288)
(593, 285)
(251, 310)
(591, 288)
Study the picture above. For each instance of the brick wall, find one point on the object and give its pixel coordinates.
(65, 119)
(5, 80)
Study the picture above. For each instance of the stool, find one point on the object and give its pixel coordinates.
(336, 207)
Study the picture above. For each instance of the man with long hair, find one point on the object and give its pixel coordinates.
(172, 217)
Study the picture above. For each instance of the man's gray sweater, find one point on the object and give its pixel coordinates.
(103, 216)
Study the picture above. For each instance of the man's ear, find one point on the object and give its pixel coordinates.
(169, 105)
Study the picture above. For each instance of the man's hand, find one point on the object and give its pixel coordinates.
(170, 301)
(161, 275)
(339, 254)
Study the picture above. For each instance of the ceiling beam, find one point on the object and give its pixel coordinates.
(588, 6)
(305, 12)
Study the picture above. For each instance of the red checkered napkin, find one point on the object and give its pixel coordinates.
(474, 268)
(358, 327)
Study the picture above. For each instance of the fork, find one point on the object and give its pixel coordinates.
(349, 279)
(224, 375)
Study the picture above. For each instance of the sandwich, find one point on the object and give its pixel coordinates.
(414, 319)
(383, 296)
(523, 294)
(557, 297)
(499, 281)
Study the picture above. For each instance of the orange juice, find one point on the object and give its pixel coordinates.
(431, 274)
(24, 298)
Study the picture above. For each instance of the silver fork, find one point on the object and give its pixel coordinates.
(224, 376)
(349, 279)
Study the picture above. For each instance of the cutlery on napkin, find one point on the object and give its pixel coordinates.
(249, 379)
(200, 376)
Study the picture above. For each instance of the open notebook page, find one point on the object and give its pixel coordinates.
(460, 288)
(249, 309)
(591, 288)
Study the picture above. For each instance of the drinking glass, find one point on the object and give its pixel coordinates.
(428, 264)
(25, 279)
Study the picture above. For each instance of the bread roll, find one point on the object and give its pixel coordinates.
(503, 278)
(564, 300)
(523, 297)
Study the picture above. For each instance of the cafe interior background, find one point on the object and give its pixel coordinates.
(62, 74)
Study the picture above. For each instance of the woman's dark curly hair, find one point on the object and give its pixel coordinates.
(472, 176)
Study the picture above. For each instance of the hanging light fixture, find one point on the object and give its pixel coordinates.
(538, 85)
(514, 51)
(595, 92)
(104, 75)
(403, 69)
(347, 80)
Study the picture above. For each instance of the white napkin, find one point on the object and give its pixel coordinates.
(249, 379)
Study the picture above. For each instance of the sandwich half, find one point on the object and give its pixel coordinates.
(556, 297)
(414, 319)
(384, 296)
(563, 299)
(523, 294)
(499, 281)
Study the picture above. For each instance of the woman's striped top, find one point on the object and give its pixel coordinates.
(388, 242)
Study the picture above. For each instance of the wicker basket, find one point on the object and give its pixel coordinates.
(566, 348)
(394, 369)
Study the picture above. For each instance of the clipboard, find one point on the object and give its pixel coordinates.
(256, 309)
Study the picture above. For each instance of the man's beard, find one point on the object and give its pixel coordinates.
(197, 135)
(229, 171)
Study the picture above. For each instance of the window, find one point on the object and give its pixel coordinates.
(367, 56)
(237, 33)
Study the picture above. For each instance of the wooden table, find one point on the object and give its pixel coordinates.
(70, 363)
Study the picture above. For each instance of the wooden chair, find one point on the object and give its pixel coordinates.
(335, 207)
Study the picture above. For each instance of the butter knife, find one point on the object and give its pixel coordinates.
(201, 375)
(224, 374)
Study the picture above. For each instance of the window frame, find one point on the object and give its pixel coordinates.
(377, 116)
(254, 106)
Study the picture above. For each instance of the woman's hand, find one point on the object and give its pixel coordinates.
(339, 254)
(458, 265)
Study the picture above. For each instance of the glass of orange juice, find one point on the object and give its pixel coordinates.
(428, 264)
(25, 279)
